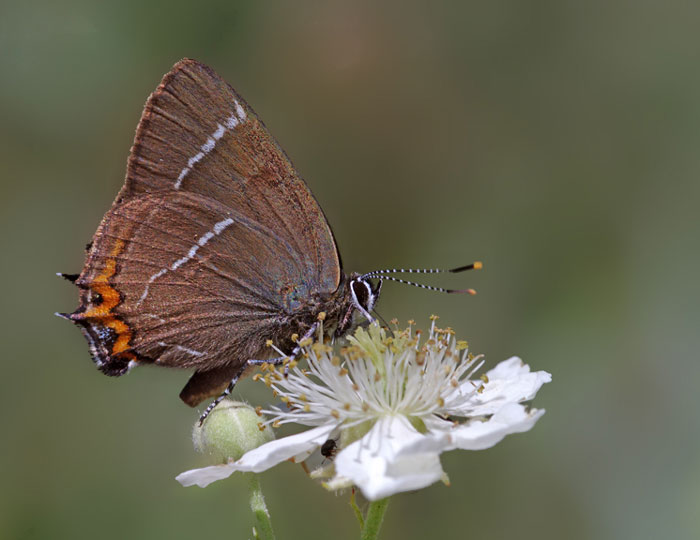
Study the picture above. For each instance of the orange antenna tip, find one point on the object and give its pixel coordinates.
(478, 265)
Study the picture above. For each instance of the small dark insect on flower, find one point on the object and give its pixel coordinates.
(329, 449)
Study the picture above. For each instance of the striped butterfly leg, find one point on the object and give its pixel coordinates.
(252, 362)
(255, 362)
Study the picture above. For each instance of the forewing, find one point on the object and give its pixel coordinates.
(198, 135)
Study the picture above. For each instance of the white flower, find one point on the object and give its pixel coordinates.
(393, 404)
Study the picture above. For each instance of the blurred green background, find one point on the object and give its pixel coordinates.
(559, 142)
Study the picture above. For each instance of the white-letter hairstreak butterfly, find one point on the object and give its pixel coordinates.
(213, 246)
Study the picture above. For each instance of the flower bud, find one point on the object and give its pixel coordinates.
(230, 430)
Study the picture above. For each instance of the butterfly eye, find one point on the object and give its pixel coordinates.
(363, 297)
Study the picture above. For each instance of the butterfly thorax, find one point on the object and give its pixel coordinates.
(343, 309)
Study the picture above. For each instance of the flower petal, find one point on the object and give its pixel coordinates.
(297, 446)
(378, 465)
(511, 381)
(511, 418)
(477, 435)
(206, 475)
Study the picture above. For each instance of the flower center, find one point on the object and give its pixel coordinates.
(374, 377)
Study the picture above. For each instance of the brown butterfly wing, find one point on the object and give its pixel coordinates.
(213, 245)
(197, 134)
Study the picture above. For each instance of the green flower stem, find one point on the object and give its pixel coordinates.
(374, 518)
(356, 509)
(257, 505)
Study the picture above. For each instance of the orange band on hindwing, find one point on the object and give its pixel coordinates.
(110, 299)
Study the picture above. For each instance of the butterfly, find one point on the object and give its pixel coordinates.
(213, 246)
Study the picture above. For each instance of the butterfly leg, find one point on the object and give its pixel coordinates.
(252, 362)
(255, 362)
(295, 351)
(224, 394)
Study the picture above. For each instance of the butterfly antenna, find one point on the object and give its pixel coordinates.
(429, 287)
(478, 265)
(383, 274)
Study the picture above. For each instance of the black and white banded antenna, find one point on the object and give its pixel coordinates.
(384, 274)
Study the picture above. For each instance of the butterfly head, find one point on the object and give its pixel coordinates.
(364, 295)
(359, 296)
